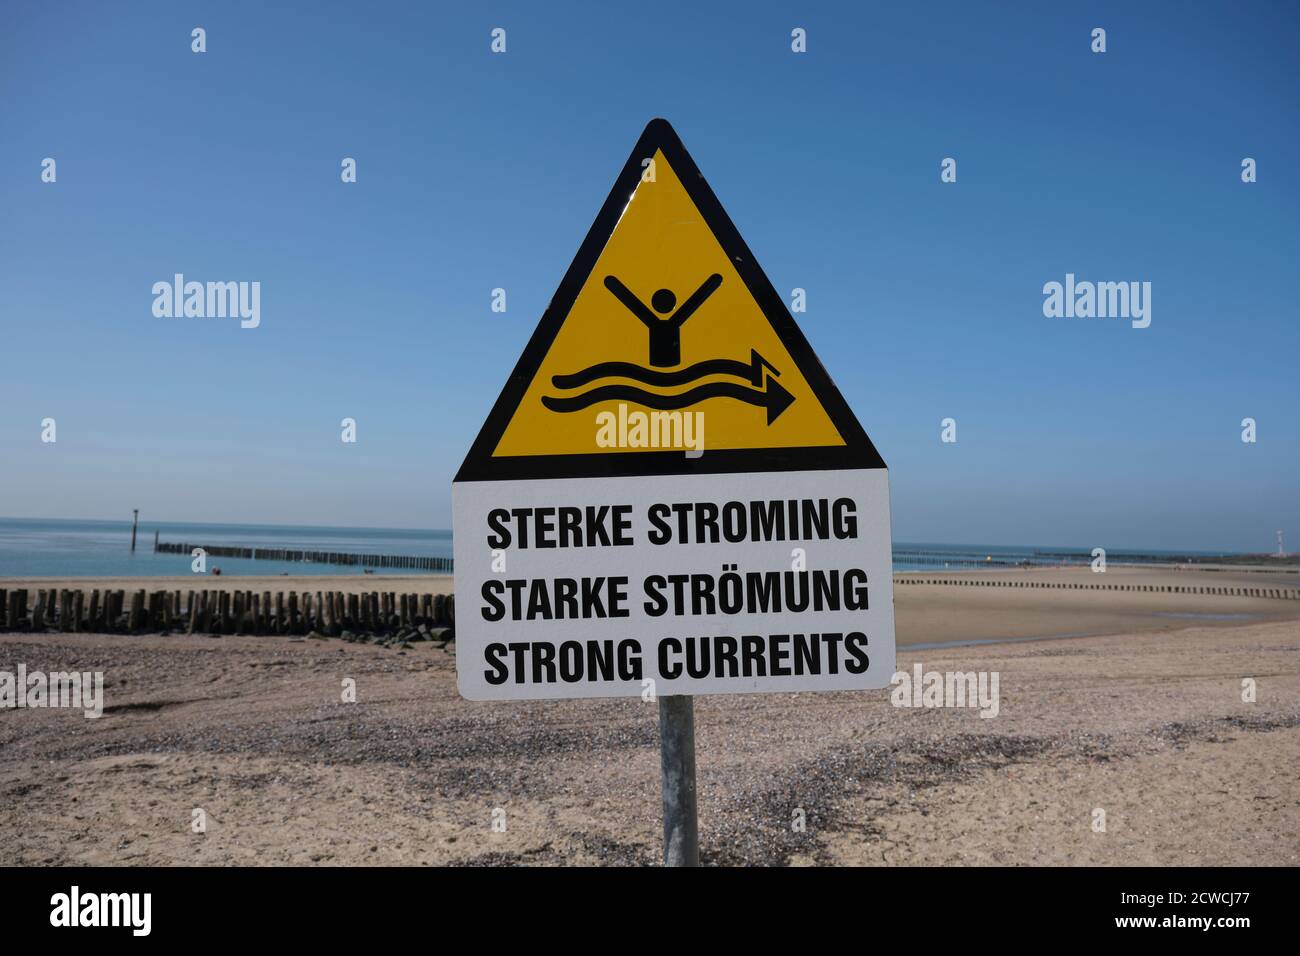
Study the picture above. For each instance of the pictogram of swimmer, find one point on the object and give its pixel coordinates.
(665, 328)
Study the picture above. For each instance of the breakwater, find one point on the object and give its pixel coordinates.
(411, 561)
(324, 613)
(1285, 594)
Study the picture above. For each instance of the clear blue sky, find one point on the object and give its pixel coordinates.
(480, 170)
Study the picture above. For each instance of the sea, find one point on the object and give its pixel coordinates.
(45, 547)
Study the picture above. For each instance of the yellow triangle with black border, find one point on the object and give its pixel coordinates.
(664, 325)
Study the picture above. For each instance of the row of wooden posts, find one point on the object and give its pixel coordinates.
(947, 560)
(331, 613)
(1286, 594)
(411, 561)
(328, 613)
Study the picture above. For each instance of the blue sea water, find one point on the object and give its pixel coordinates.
(45, 547)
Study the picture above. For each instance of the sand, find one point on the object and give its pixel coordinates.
(931, 614)
(1145, 724)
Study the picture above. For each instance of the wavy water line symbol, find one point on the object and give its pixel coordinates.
(753, 372)
(773, 397)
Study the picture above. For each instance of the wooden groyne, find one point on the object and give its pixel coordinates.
(920, 557)
(409, 561)
(323, 613)
(1254, 563)
(410, 616)
(1285, 594)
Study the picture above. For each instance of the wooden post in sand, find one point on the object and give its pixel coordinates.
(137, 611)
(108, 611)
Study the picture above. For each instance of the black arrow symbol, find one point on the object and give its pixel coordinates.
(774, 398)
(753, 372)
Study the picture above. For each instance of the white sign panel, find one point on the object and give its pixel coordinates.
(717, 584)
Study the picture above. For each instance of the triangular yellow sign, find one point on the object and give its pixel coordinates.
(665, 338)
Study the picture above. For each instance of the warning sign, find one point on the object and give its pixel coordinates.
(670, 494)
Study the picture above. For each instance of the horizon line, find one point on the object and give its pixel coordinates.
(894, 544)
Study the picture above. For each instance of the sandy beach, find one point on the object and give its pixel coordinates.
(1143, 720)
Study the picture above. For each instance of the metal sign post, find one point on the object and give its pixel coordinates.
(677, 758)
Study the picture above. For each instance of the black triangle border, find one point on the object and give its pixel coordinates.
(857, 452)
